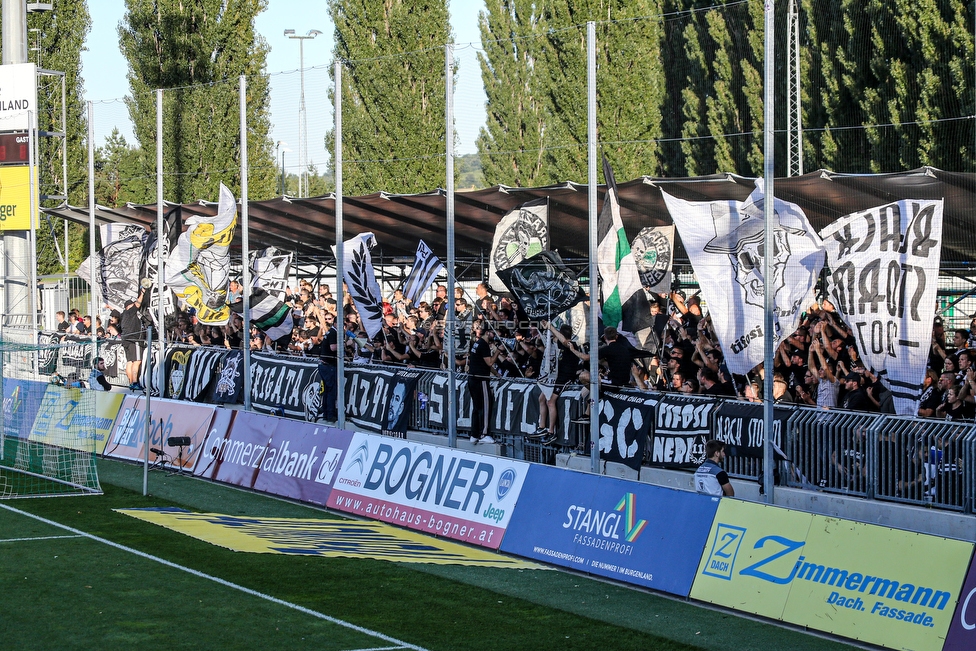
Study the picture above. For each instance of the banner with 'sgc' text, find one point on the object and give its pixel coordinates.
(444, 491)
(884, 586)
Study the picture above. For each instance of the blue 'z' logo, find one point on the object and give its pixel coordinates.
(725, 547)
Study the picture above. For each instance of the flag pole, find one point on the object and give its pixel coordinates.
(592, 336)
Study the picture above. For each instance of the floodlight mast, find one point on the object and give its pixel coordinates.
(302, 126)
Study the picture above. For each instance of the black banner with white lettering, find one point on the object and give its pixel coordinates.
(516, 407)
(229, 387)
(75, 357)
(680, 430)
(740, 426)
(201, 373)
(367, 395)
(288, 386)
(47, 355)
(625, 420)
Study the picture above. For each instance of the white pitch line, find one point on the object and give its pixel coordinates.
(254, 593)
(5, 540)
(380, 648)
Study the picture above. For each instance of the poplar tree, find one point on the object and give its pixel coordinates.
(393, 94)
(630, 85)
(196, 52)
(510, 144)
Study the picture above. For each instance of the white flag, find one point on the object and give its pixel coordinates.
(426, 267)
(725, 241)
(270, 268)
(884, 265)
(520, 234)
(357, 271)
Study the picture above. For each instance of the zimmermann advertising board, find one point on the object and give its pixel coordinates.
(884, 586)
(638, 533)
(447, 492)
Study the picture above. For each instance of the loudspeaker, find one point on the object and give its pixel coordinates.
(178, 441)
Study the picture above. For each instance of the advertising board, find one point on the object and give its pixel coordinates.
(444, 491)
(962, 630)
(167, 418)
(234, 454)
(21, 400)
(884, 586)
(638, 533)
(302, 461)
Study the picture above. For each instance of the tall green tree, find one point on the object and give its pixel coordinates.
(631, 85)
(393, 93)
(510, 144)
(196, 51)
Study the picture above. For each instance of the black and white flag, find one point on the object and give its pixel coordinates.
(426, 267)
(177, 364)
(357, 271)
(172, 225)
(653, 251)
(521, 234)
(117, 267)
(725, 243)
(270, 268)
(229, 388)
(543, 285)
(884, 265)
(268, 313)
(201, 373)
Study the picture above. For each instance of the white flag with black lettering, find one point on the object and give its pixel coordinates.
(270, 268)
(725, 243)
(426, 266)
(884, 265)
(357, 271)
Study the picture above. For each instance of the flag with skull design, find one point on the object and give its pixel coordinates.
(725, 243)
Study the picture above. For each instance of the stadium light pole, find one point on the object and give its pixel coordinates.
(302, 127)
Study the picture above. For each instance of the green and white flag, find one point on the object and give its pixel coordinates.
(625, 304)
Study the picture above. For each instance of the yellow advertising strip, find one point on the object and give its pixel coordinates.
(893, 588)
(750, 538)
(64, 419)
(883, 586)
(329, 538)
(107, 405)
(15, 203)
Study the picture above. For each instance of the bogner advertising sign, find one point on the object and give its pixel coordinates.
(437, 490)
(884, 586)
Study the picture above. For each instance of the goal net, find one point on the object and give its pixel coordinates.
(47, 426)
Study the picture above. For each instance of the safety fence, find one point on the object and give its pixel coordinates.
(917, 461)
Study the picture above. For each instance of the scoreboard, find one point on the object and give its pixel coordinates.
(14, 148)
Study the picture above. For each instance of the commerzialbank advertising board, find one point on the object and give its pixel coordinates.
(893, 588)
(447, 492)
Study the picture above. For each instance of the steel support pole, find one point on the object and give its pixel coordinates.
(95, 285)
(768, 218)
(245, 248)
(340, 298)
(160, 258)
(449, 184)
(594, 316)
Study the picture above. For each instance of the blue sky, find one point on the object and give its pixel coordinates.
(104, 71)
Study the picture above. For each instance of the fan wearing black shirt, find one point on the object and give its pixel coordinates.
(132, 334)
(481, 359)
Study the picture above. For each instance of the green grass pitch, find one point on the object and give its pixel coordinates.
(61, 590)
